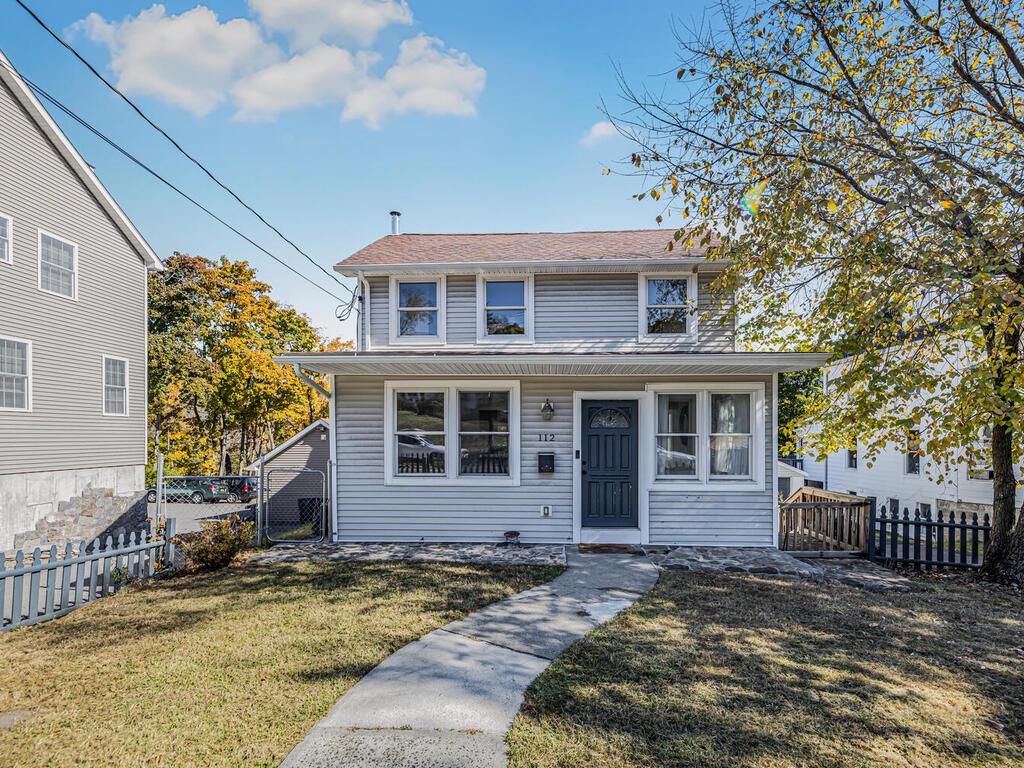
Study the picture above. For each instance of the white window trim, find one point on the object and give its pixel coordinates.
(691, 300)
(482, 336)
(10, 239)
(39, 265)
(451, 388)
(28, 383)
(704, 480)
(856, 459)
(103, 386)
(442, 300)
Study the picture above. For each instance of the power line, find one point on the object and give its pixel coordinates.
(99, 134)
(178, 146)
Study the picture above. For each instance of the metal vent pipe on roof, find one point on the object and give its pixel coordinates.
(396, 229)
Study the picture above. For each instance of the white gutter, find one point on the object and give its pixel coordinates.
(308, 381)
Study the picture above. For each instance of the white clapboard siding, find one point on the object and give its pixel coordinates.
(66, 429)
(577, 311)
(369, 510)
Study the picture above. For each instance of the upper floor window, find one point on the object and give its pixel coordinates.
(851, 458)
(667, 304)
(15, 375)
(504, 308)
(417, 311)
(912, 457)
(58, 266)
(6, 239)
(115, 387)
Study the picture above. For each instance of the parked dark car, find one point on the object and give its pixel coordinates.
(243, 489)
(192, 489)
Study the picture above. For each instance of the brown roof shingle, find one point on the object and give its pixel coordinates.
(413, 249)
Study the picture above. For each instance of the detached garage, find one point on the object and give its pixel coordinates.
(295, 484)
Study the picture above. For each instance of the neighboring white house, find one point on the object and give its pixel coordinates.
(574, 387)
(73, 272)
(790, 478)
(902, 476)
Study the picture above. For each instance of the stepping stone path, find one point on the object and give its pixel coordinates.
(491, 554)
(762, 560)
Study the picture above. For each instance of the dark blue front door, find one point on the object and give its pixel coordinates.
(608, 463)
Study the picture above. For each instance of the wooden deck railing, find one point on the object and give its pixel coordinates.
(814, 520)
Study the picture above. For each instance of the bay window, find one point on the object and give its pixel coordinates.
(709, 434)
(457, 432)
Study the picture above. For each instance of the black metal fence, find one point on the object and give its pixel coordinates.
(926, 543)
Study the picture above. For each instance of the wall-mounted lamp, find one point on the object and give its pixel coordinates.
(547, 411)
(322, 430)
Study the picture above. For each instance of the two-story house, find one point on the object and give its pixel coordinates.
(573, 387)
(73, 273)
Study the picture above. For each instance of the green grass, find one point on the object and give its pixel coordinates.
(713, 671)
(223, 669)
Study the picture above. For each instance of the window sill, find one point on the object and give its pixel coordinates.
(434, 482)
(712, 486)
(73, 297)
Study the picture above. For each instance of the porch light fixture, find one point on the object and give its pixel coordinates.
(547, 411)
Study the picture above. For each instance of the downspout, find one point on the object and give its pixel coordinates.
(309, 382)
(364, 316)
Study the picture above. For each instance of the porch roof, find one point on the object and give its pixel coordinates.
(458, 363)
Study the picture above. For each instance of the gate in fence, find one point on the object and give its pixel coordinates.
(294, 504)
(927, 543)
(51, 584)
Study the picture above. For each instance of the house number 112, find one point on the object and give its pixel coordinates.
(546, 437)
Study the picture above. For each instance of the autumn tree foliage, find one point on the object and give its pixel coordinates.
(864, 163)
(217, 399)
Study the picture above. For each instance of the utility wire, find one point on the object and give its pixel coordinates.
(178, 146)
(99, 134)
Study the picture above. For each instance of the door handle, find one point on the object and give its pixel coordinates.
(583, 472)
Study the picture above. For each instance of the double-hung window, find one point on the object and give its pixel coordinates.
(912, 456)
(709, 434)
(678, 435)
(851, 458)
(459, 432)
(417, 311)
(667, 305)
(115, 386)
(15, 375)
(6, 239)
(731, 434)
(58, 266)
(504, 309)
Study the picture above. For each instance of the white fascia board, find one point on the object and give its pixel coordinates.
(539, 266)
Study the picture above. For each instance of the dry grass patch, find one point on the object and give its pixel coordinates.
(749, 671)
(227, 668)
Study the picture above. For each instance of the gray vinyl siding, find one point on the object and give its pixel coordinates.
(370, 510)
(572, 312)
(66, 428)
(310, 452)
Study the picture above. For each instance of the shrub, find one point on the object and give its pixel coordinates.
(217, 543)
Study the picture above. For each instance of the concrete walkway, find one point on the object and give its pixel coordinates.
(448, 699)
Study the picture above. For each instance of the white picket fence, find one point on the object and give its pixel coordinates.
(51, 585)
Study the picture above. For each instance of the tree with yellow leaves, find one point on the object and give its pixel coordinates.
(217, 399)
(864, 163)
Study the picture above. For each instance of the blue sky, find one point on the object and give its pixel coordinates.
(326, 114)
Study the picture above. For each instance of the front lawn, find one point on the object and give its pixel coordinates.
(226, 669)
(754, 671)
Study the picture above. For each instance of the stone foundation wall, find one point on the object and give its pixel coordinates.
(945, 505)
(44, 508)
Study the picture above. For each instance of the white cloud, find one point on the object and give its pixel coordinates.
(597, 133)
(308, 22)
(190, 60)
(321, 75)
(426, 78)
